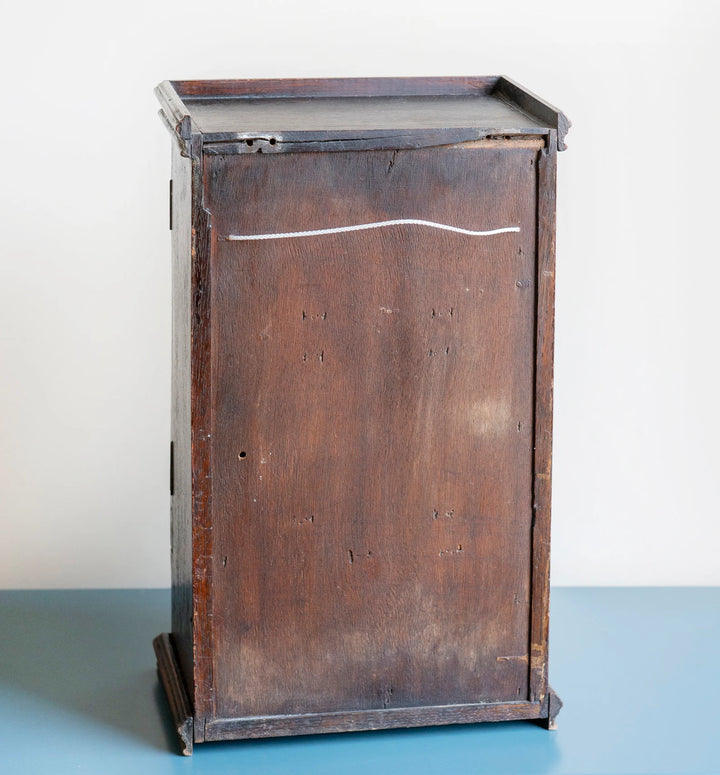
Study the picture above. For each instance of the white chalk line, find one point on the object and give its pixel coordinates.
(376, 225)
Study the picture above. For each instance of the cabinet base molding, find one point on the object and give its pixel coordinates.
(171, 681)
(544, 713)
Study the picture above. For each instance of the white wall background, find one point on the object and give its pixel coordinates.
(85, 280)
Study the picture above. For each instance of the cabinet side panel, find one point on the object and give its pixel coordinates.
(373, 431)
(200, 429)
(546, 184)
(181, 500)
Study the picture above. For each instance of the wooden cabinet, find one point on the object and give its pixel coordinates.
(363, 276)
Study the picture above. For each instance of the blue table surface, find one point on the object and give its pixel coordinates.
(637, 669)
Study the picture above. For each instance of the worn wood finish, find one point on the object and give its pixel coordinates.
(171, 680)
(291, 116)
(525, 100)
(546, 172)
(358, 721)
(180, 426)
(341, 114)
(361, 421)
(200, 424)
(373, 397)
(346, 140)
(552, 705)
(294, 88)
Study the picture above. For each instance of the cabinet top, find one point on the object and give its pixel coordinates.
(281, 115)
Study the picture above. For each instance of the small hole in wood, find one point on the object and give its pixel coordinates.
(241, 455)
(272, 141)
(249, 142)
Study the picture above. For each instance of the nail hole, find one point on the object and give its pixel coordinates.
(272, 141)
(241, 455)
(249, 142)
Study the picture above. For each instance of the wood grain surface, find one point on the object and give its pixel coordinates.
(372, 429)
(367, 113)
(307, 115)
(180, 427)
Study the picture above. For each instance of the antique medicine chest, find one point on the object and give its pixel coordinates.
(363, 280)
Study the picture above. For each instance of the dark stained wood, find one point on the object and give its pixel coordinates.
(554, 705)
(520, 97)
(304, 142)
(361, 421)
(200, 426)
(296, 115)
(191, 497)
(466, 138)
(359, 721)
(546, 173)
(181, 498)
(333, 87)
(373, 398)
(172, 683)
(366, 114)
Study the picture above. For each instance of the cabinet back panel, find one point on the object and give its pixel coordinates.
(372, 429)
